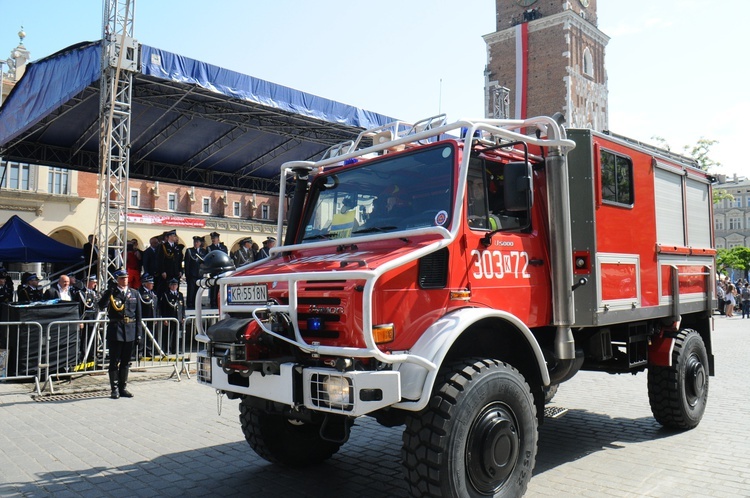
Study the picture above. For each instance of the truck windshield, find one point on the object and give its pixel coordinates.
(398, 192)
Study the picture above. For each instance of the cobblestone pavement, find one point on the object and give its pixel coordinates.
(170, 441)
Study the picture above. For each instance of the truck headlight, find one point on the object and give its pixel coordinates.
(332, 391)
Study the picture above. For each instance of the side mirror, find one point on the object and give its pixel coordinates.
(517, 187)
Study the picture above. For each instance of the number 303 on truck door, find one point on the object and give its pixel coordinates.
(499, 264)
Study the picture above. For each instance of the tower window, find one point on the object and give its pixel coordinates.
(588, 63)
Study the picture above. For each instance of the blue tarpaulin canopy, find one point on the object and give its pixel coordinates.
(22, 243)
(191, 122)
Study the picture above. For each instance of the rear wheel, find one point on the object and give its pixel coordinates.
(280, 440)
(478, 437)
(678, 394)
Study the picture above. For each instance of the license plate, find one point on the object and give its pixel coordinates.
(248, 294)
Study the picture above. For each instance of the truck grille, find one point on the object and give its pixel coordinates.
(433, 270)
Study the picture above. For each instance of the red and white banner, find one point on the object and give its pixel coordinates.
(522, 69)
(175, 221)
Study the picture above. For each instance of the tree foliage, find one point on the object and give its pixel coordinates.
(737, 258)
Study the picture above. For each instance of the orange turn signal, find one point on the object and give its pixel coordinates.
(383, 333)
(461, 295)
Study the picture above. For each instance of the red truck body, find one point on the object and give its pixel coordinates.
(449, 277)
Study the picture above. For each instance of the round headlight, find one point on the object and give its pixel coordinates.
(338, 391)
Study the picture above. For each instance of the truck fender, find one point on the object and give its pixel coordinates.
(434, 344)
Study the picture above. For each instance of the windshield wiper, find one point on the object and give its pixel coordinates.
(376, 229)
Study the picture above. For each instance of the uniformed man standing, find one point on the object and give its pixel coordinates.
(216, 245)
(193, 259)
(244, 254)
(268, 244)
(6, 294)
(172, 305)
(89, 308)
(168, 261)
(124, 312)
(29, 291)
(149, 310)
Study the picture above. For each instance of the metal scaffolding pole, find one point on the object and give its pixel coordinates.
(119, 63)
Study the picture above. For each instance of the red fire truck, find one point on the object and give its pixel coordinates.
(448, 277)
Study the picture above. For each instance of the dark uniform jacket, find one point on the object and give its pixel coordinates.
(172, 305)
(169, 260)
(148, 258)
(6, 294)
(28, 294)
(193, 259)
(89, 304)
(243, 256)
(149, 303)
(124, 313)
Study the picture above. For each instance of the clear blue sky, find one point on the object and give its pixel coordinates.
(675, 67)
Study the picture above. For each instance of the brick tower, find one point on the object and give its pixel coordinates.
(547, 56)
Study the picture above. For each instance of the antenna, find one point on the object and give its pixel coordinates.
(440, 97)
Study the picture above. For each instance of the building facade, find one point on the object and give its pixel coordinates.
(547, 57)
(732, 217)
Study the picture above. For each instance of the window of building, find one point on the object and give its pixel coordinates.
(135, 197)
(206, 205)
(718, 224)
(617, 178)
(265, 212)
(735, 223)
(747, 201)
(58, 181)
(738, 201)
(14, 175)
(237, 209)
(588, 63)
(172, 201)
(732, 245)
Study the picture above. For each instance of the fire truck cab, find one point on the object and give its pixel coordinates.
(448, 277)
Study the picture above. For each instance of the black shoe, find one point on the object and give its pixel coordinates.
(126, 394)
(115, 394)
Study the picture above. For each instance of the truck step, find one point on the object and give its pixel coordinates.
(554, 411)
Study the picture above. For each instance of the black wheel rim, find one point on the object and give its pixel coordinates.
(492, 449)
(695, 380)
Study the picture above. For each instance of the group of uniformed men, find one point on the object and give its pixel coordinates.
(164, 264)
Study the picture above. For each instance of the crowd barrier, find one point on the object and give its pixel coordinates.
(68, 348)
(20, 344)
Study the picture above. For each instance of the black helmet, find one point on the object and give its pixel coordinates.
(215, 263)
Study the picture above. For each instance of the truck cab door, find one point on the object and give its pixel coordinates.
(505, 256)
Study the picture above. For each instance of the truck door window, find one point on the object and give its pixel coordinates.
(486, 208)
(617, 178)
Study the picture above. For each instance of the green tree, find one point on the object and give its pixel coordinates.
(736, 258)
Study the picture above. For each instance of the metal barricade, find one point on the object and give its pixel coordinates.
(21, 349)
(191, 346)
(162, 344)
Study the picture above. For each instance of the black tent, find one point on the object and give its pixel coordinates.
(22, 243)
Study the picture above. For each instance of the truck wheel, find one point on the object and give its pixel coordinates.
(478, 436)
(549, 392)
(283, 441)
(678, 394)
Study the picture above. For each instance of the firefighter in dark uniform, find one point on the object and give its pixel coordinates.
(149, 309)
(6, 292)
(168, 261)
(124, 312)
(216, 245)
(172, 305)
(193, 259)
(29, 291)
(89, 308)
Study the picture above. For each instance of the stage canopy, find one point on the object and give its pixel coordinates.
(192, 123)
(22, 243)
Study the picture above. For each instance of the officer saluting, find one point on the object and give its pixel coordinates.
(123, 307)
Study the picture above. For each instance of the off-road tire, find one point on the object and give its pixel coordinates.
(549, 392)
(678, 394)
(478, 436)
(279, 440)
